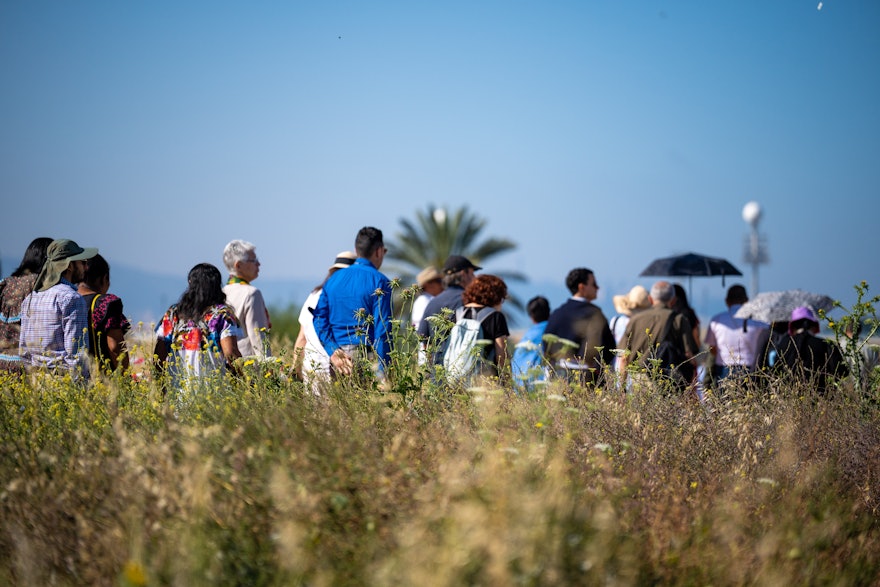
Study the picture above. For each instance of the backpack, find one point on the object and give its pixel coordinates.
(463, 352)
(668, 353)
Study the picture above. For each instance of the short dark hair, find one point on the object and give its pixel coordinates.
(538, 308)
(736, 294)
(577, 277)
(368, 240)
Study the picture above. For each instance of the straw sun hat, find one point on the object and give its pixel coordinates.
(635, 300)
(427, 274)
(344, 259)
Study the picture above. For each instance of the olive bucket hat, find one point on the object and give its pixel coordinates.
(58, 256)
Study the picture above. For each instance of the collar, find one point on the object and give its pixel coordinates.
(364, 261)
(67, 283)
(236, 279)
(579, 299)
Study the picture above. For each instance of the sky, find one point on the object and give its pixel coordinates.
(594, 133)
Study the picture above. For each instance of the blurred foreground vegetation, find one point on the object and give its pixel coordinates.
(258, 482)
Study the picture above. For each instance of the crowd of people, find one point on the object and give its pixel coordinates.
(57, 312)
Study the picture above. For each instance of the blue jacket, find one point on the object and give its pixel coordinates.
(360, 289)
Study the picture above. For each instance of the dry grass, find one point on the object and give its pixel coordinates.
(260, 483)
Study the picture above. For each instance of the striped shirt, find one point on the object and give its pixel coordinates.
(54, 324)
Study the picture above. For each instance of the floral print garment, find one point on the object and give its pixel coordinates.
(194, 347)
(108, 314)
(13, 290)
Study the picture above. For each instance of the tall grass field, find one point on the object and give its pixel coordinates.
(257, 481)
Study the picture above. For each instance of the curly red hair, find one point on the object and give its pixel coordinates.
(486, 290)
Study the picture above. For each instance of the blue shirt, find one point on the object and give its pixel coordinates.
(53, 327)
(528, 357)
(355, 309)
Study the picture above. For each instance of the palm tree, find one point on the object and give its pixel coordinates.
(436, 234)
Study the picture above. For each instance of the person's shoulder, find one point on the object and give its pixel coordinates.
(67, 295)
(112, 298)
(651, 314)
(445, 297)
(719, 317)
(224, 310)
(596, 311)
(312, 298)
(245, 288)
(565, 307)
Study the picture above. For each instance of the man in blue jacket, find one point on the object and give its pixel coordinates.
(353, 314)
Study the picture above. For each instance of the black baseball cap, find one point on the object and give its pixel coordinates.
(456, 263)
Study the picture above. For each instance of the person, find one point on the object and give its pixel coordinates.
(627, 305)
(458, 273)
(54, 316)
(13, 290)
(488, 291)
(733, 342)
(692, 371)
(353, 315)
(240, 259)
(683, 306)
(768, 344)
(805, 355)
(648, 330)
(580, 322)
(312, 361)
(107, 322)
(198, 336)
(527, 363)
(430, 282)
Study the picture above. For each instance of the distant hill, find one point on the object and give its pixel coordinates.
(147, 295)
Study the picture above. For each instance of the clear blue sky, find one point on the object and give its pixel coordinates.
(593, 133)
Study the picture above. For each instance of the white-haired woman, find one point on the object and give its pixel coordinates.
(240, 259)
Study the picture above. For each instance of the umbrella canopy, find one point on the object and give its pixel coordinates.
(691, 265)
(776, 306)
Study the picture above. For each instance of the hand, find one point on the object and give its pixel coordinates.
(341, 362)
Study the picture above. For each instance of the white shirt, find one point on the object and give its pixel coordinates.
(250, 309)
(315, 358)
(418, 308)
(733, 346)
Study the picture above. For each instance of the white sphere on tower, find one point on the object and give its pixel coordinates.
(752, 213)
(439, 215)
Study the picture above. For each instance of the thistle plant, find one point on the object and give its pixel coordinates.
(853, 334)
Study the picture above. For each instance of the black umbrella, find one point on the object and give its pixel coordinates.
(691, 265)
